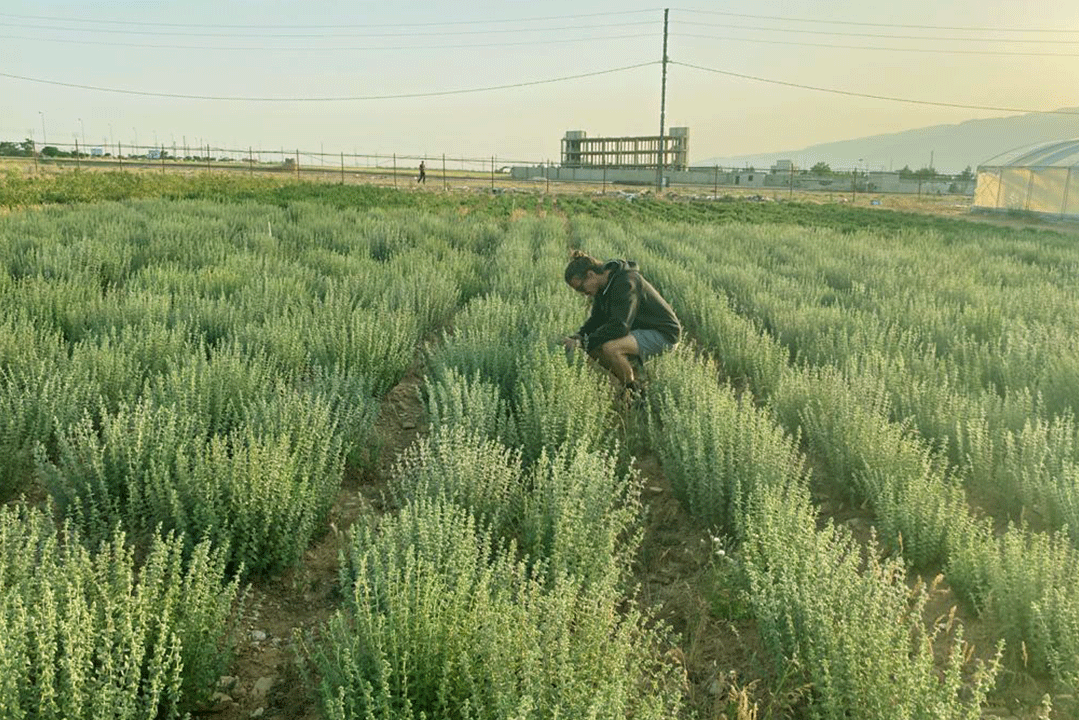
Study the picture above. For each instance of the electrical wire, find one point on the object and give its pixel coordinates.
(394, 96)
(327, 48)
(876, 24)
(940, 51)
(333, 26)
(935, 38)
(850, 93)
(325, 35)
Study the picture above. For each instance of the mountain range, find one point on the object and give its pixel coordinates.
(948, 148)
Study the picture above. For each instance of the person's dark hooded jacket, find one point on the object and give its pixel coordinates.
(628, 302)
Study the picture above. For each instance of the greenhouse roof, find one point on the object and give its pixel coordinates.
(1059, 153)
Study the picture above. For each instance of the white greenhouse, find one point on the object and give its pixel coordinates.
(1041, 178)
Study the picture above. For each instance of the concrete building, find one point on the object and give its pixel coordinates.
(625, 153)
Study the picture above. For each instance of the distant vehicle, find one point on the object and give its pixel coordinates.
(153, 154)
(97, 152)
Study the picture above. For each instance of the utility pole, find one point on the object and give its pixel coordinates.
(662, 105)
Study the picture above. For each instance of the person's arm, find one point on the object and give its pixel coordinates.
(595, 320)
(621, 312)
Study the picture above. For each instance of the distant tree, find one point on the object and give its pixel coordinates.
(906, 172)
(51, 151)
(967, 174)
(821, 168)
(12, 149)
(925, 173)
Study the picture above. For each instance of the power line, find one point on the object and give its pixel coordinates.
(875, 24)
(326, 35)
(334, 25)
(328, 48)
(873, 97)
(331, 99)
(943, 51)
(936, 38)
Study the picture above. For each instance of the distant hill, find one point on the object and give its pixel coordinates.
(951, 147)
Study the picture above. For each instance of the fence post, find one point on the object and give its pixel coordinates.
(297, 163)
(343, 167)
(78, 165)
(120, 154)
(443, 171)
(492, 172)
(250, 161)
(33, 149)
(548, 174)
(715, 184)
(161, 152)
(208, 168)
(604, 178)
(395, 171)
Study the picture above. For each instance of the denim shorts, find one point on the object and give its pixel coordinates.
(650, 342)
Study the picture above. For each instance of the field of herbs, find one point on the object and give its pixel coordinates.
(864, 416)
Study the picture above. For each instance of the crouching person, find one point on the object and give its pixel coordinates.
(630, 321)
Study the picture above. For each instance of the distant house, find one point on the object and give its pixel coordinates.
(153, 154)
(97, 152)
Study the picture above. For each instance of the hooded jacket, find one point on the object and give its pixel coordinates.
(628, 302)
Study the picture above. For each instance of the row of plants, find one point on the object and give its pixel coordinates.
(849, 426)
(829, 611)
(210, 373)
(991, 344)
(498, 588)
(187, 383)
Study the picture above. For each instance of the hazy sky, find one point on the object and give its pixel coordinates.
(302, 51)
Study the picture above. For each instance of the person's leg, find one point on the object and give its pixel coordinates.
(614, 355)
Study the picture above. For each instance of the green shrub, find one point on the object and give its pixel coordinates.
(556, 403)
(444, 621)
(874, 460)
(1026, 586)
(456, 401)
(95, 635)
(849, 621)
(715, 449)
(570, 510)
(262, 488)
(456, 464)
(580, 515)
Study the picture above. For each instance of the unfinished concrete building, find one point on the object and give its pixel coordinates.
(626, 153)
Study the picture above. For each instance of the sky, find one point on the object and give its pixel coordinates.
(506, 80)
